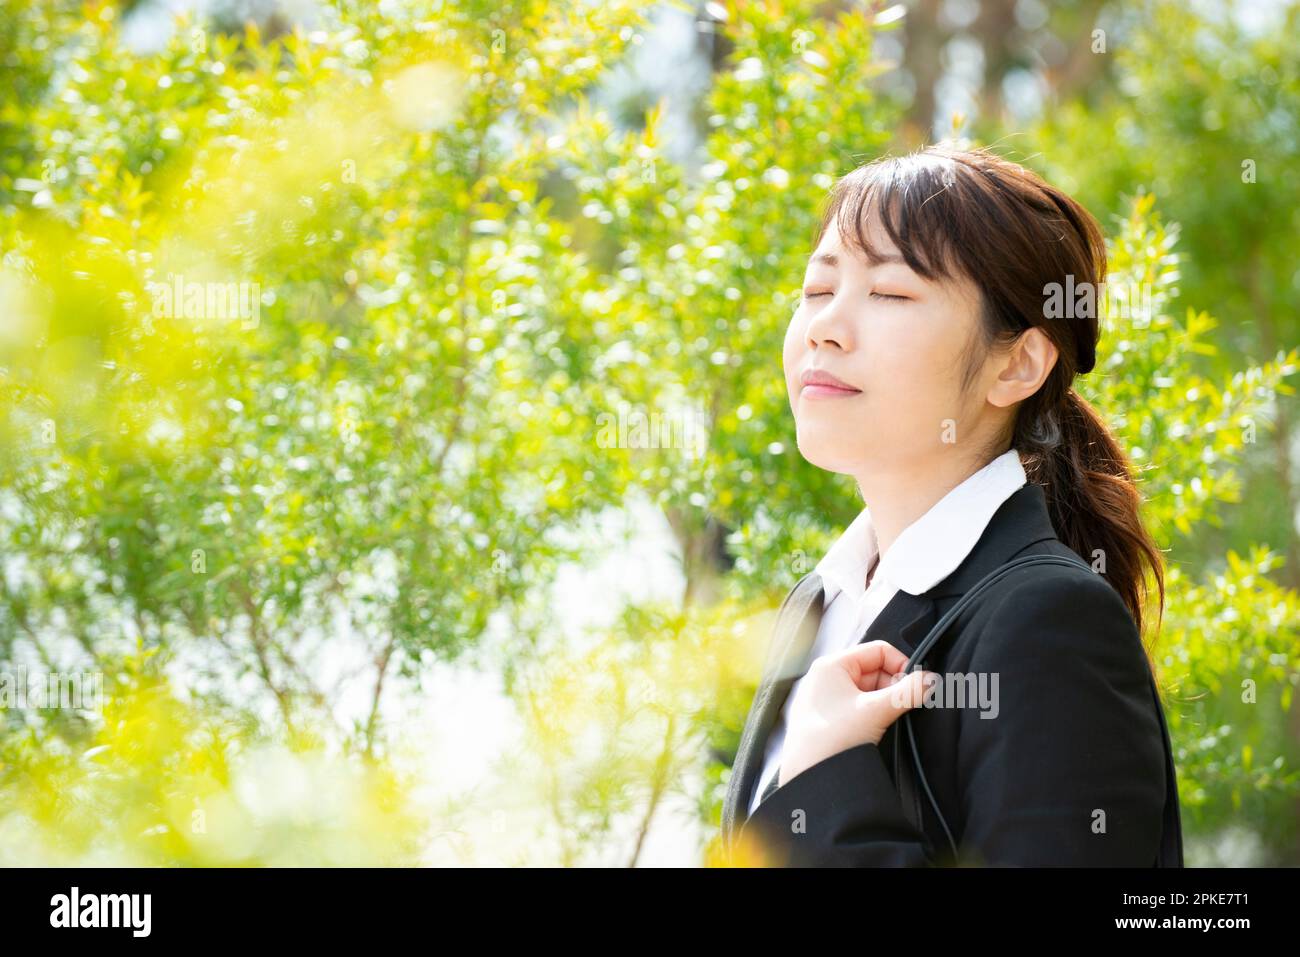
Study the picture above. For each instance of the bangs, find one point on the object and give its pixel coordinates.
(916, 201)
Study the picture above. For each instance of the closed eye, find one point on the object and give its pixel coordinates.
(814, 295)
(881, 295)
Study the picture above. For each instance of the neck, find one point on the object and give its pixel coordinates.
(898, 498)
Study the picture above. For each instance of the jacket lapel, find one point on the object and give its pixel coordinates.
(796, 631)
(903, 622)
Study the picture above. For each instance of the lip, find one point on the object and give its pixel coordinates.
(821, 384)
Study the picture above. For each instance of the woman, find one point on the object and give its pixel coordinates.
(930, 360)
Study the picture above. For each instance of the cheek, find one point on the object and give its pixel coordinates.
(792, 350)
(913, 358)
(901, 347)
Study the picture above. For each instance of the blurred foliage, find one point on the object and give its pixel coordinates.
(258, 525)
(340, 482)
(1203, 115)
(163, 784)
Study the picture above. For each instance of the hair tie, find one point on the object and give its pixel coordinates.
(1087, 357)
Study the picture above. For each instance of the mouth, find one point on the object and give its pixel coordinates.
(820, 384)
(816, 391)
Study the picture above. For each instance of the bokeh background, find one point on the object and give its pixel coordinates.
(391, 410)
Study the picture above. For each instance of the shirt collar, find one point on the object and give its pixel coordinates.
(931, 548)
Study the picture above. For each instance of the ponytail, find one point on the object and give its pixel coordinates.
(1092, 497)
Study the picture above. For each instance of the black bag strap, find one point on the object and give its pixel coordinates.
(907, 772)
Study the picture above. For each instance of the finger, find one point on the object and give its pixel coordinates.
(873, 656)
(881, 679)
(893, 669)
(887, 679)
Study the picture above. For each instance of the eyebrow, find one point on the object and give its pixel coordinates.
(832, 260)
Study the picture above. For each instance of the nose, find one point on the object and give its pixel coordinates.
(828, 327)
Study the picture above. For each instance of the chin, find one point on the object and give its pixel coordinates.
(826, 452)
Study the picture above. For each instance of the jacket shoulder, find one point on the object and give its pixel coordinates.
(1063, 608)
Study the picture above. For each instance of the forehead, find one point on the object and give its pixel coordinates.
(833, 252)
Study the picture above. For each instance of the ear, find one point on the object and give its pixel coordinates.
(1027, 366)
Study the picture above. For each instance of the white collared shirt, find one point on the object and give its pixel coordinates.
(924, 554)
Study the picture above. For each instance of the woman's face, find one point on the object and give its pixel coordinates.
(898, 341)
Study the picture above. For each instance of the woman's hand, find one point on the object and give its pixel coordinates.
(848, 699)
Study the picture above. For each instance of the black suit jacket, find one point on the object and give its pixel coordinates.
(1070, 771)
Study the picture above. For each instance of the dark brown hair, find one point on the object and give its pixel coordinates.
(972, 213)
